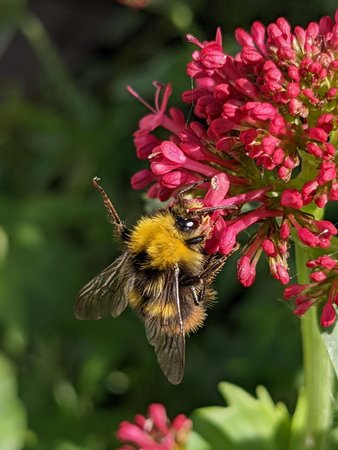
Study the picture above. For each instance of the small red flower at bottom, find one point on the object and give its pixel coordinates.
(155, 432)
(322, 289)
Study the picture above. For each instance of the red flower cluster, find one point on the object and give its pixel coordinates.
(265, 136)
(155, 432)
(322, 289)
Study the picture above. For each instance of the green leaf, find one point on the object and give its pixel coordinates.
(330, 337)
(12, 413)
(298, 422)
(248, 422)
(196, 442)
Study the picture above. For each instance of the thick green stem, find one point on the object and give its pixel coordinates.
(318, 372)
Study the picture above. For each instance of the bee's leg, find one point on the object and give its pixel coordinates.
(177, 297)
(195, 296)
(215, 263)
(196, 286)
(213, 266)
(112, 214)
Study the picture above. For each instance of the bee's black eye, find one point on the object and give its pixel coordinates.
(187, 224)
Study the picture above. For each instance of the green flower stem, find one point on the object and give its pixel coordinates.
(318, 372)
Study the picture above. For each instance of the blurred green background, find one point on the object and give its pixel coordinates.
(65, 117)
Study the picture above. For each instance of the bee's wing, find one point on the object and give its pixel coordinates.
(166, 334)
(103, 295)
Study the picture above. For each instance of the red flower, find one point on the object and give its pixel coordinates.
(265, 140)
(323, 288)
(155, 432)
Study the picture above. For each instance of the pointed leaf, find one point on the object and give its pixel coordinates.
(196, 442)
(248, 422)
(298, 427)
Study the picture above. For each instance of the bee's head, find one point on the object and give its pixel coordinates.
(194, 227)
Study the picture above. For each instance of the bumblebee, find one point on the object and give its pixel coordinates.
(163, 275)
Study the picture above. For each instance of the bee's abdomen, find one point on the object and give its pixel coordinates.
(146, 299)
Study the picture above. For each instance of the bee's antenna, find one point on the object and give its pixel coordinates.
(210, 209)
(190, 186)
(112, 214)
(207, 209)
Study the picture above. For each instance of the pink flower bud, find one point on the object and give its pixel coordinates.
(309, 188)
(142, 179)
(285, 231)
(132, 433)
(283, 248)
(326, 227)
(212, 56)
(178, 117)
(317, 134)
(181, 422)
(145, 143)
(269, 144)
(329, 149)
(245, 86)
(248, 136)
(243, 267)
(293, 90)
(334, 191)
(243, 37)
(225, 144)
(293, 290)
(245, 271)
(140, 420)
(302, 308)
(269, 247)
(178, 178)
(318, 276)
(321, 200)
(163, 193)
(328, 315)
(282, 274)
(310, 95)
(284, 173)
(250, 56)
(291, 198)
(314, 149)
(278, 156)
(228, 240)
(221, 126)
(222, 92)
(231, 110)
(158, 415)
(289, 162)
(260, 111)
(327, 172)
(327, 262)
(326, 121)
(293, 72)
(332, 93)
(278, 126)
(307, 237)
